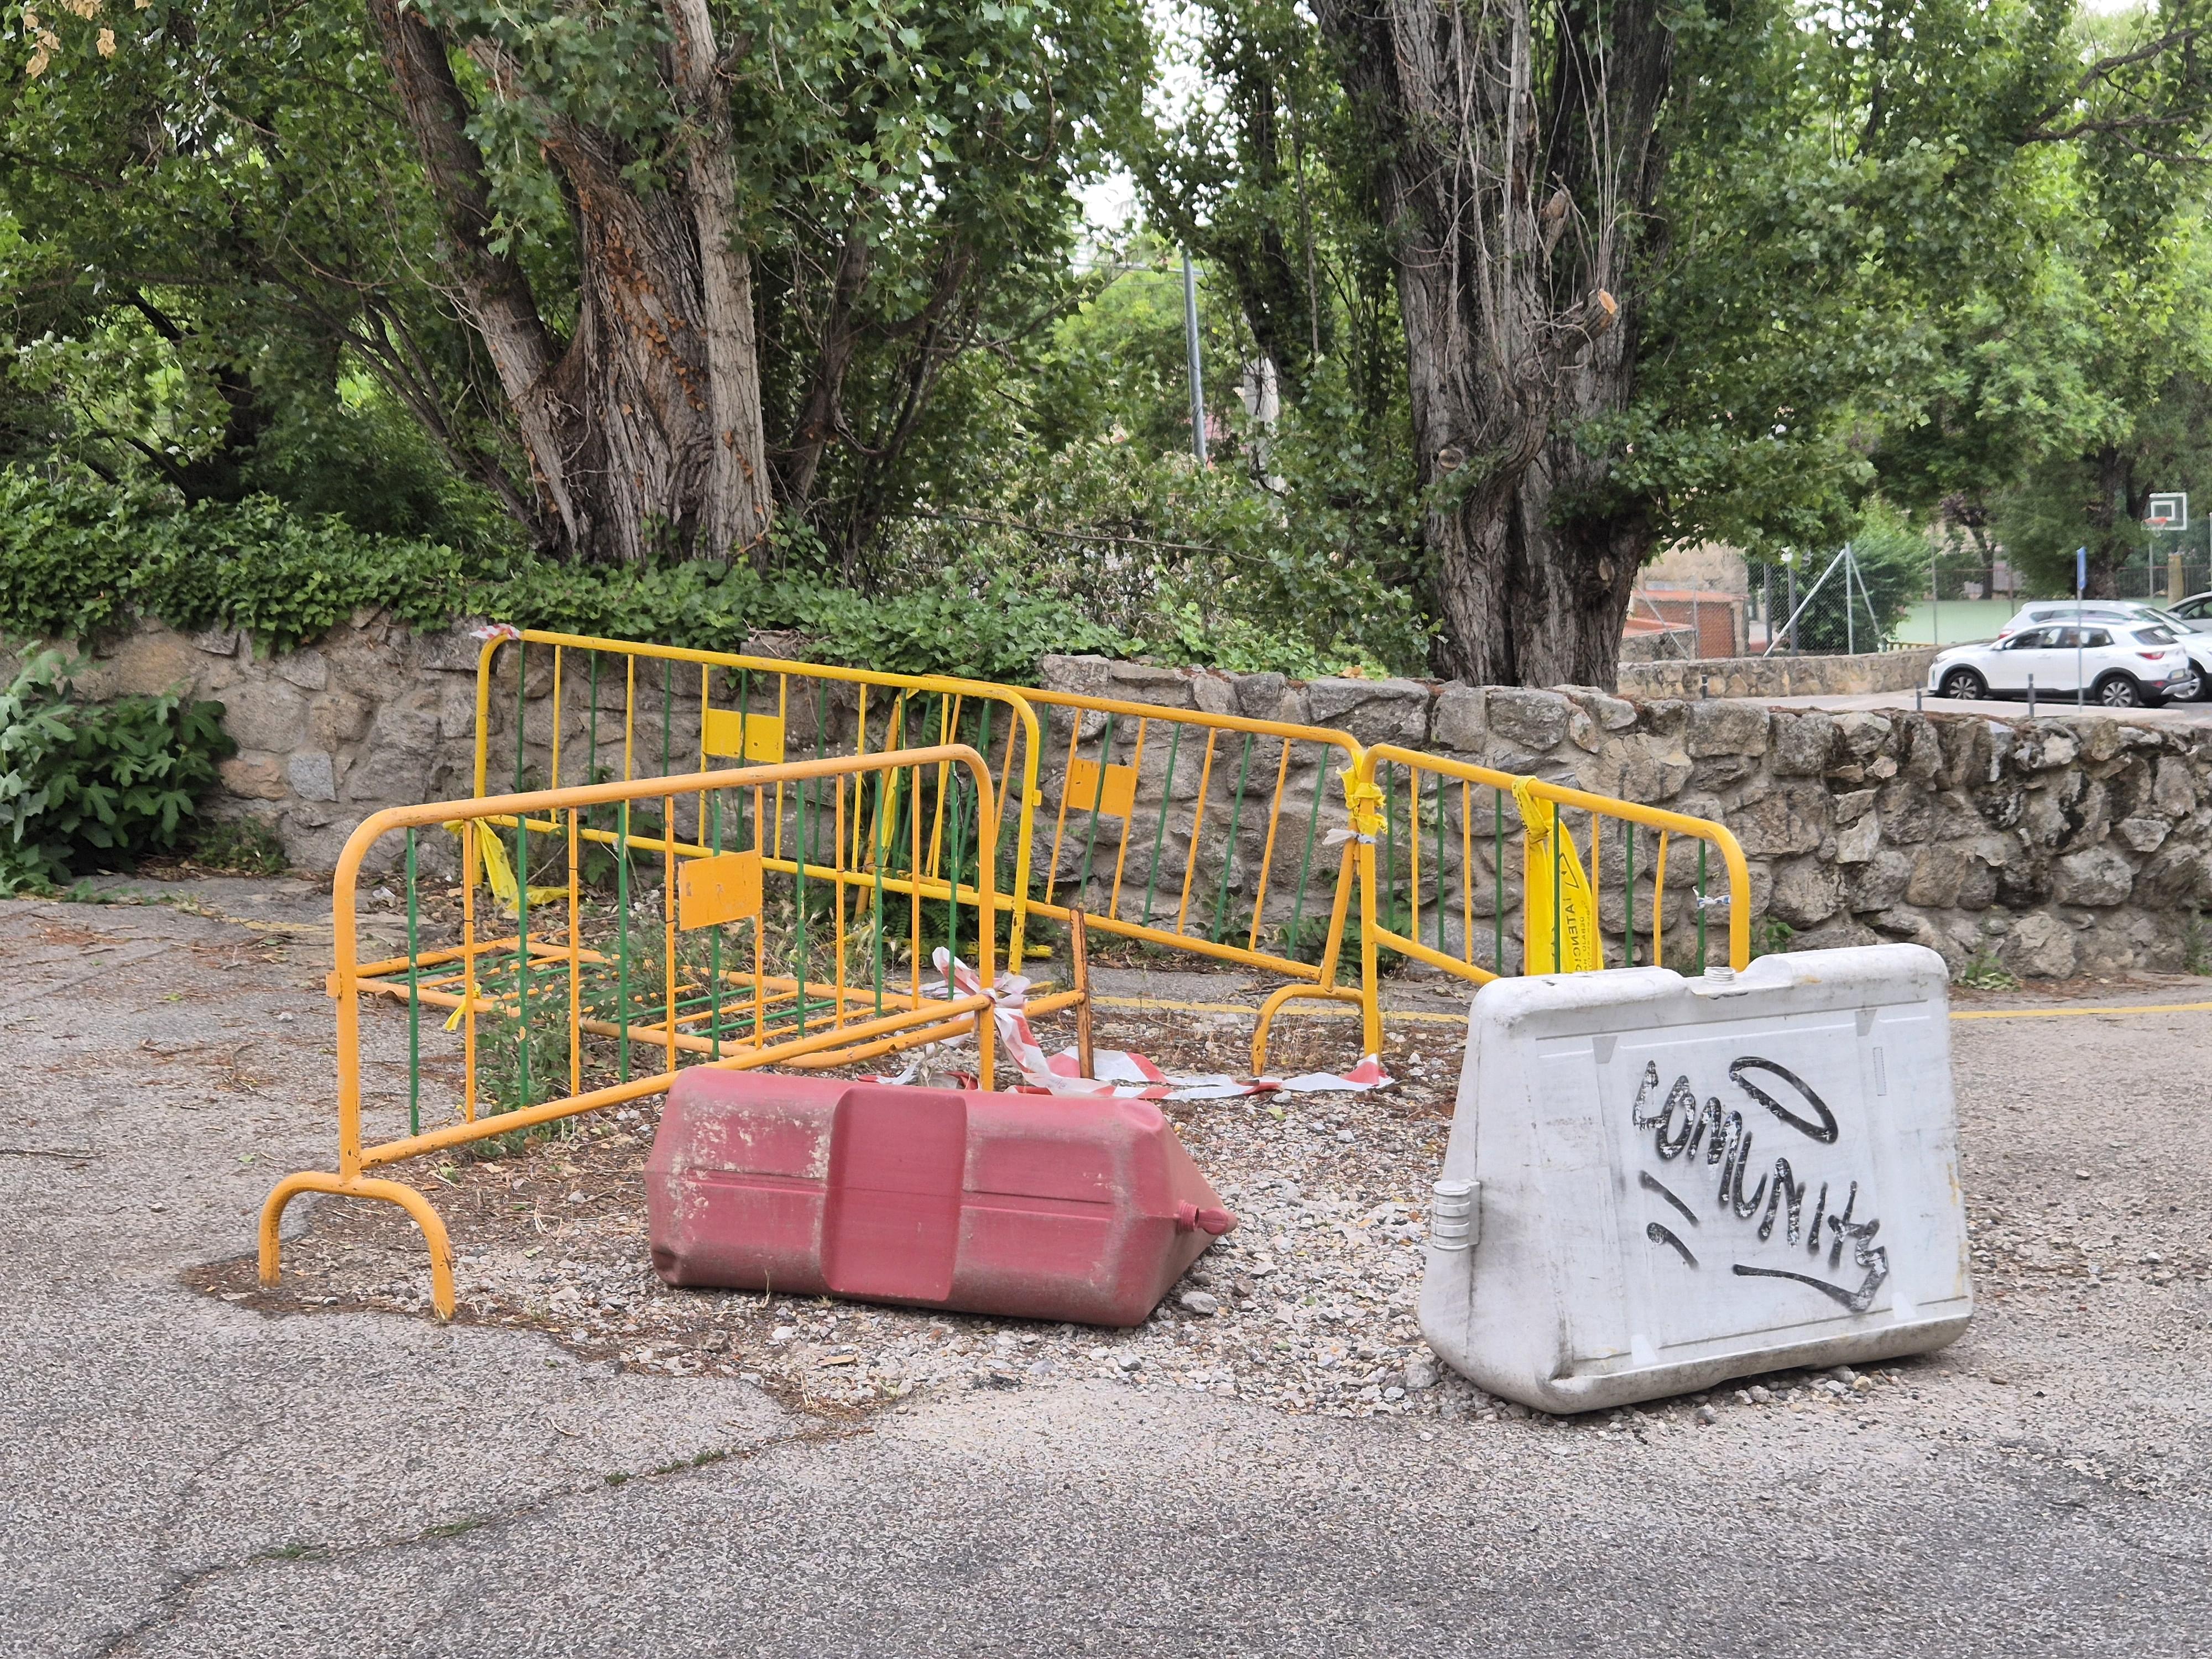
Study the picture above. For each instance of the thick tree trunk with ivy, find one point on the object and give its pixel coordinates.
(642, 427)
(1514, 157)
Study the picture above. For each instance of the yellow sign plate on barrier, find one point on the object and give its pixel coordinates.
(724, 888)
(732, 733)
(1117, 800)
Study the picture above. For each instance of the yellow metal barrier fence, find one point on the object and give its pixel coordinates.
(650, 710)
(1434, 832)
(1234, 822)
(1230, 821)
(733, 918)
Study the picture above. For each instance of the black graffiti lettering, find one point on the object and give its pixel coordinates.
(1659, 1235)
(1785, 1182)
(1682, 1099)
(1824, 1131)
(1651, 1184)
(1744, 1210)
(1682, 1127)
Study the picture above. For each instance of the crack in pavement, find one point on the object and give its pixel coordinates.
(166, 1607)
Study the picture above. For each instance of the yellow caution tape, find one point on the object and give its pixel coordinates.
(1576, 906)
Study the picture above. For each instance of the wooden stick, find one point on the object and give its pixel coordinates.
(1079, 946)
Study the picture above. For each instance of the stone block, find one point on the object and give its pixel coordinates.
(154, 664)
(2176, 875)
(1634, 768)
(2097, 876)
(453, 651)
(1457, 719)
(1213, 694)
(2044, 746)
(311, 776)
(2098, 735)
(1082, 676)
(1863, 734)
(1533, 721)
(253, 777)
(1801, 745)
(1583, 732)
(1856, 842)
(1908, 814)
(1373, 711)
(1805, 892)
(1853, 804)
(1923, 749)
(217, 641)
(1725, 728)
(264, 713)
(1138, 682)
(2039, 945)
(1879, 883)
(1938, 872)
(1795, 819)
(2174, 793)
(398, 758)
(307, 668)
(1611, 713)
(2144, 835)
(338, 718)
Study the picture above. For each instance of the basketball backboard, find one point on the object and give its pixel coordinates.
(2168, 511)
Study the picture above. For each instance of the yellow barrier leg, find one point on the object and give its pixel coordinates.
(1287, 993)
(391, 1192)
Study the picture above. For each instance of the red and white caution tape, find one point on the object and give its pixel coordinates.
(1121, 1074)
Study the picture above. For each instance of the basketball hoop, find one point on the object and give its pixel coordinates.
(2167, 511)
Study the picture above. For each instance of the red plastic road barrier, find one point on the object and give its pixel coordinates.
(1028, 1206)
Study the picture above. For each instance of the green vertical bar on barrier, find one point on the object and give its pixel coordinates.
(952, 887)
(522, 947)
(414, 1005)
(1160, 828)
(1236, 822)
(1305, 863)
(1701, 906)
(1498, 879)
(1440, 861)
(622, 939)
(1098, 799)
(521, 693)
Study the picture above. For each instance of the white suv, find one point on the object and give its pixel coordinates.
(2119, 665)
(2192, 630)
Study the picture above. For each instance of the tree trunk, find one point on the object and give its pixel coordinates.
(1510, 173)
(643, 427)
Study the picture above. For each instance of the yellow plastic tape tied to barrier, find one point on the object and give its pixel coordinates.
(499, 874)
(1576, 948)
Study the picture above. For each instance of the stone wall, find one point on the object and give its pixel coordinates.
(2071, 843)
(1777, 677)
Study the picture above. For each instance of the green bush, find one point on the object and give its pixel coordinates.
(78, 557)
(82, 781)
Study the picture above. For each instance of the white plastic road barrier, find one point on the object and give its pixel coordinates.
(1654, 1183)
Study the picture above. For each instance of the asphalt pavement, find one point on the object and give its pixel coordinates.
(185, 1477)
